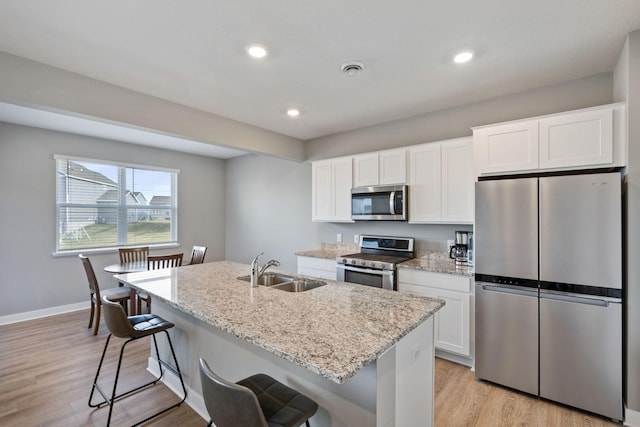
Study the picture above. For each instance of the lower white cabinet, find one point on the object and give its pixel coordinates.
(453, 321)
(317, 267)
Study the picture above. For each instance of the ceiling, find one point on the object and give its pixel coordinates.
(192, 52)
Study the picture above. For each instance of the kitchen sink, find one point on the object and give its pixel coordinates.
(299, 285)
(269, 279)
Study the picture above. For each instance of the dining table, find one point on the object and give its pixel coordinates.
(128, 267)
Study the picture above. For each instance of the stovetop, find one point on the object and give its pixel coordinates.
(380, 252)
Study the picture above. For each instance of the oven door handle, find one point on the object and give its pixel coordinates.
(366, 270)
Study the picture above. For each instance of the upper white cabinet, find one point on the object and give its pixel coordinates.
(584, 138)
(589, 138)
(441, 182)
(380, 168)
(506, 148)
(331, 189)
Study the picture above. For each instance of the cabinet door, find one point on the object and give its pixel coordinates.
(579, 139)
(457, 181)
(331, 190)
(425, 183)
(365, 170)
(393, 167)
(452, 324)
(317, 267)
(342, 182)
(507, 148)
(322, 191)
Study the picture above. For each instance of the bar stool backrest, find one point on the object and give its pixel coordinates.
(229, 404)
(116, 319)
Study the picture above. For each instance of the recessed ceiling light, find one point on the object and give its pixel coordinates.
(463, 57)
(256, 51)
(293, 112)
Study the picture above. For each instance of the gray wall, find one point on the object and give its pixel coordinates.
(627, 88)
(32, 278)
(268, 209)
(456, 122)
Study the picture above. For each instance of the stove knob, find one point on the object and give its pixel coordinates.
(353, 262)
(363, 263)
(344, 260)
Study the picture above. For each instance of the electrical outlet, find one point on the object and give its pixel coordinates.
(339, 238)
(356, 238)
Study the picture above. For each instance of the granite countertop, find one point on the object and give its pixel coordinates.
(333, 330)
(433, 262)
(437, 265)
(330, 250)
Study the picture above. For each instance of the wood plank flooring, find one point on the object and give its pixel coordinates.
(47, 368)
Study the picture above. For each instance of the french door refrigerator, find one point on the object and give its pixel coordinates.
(549, 288)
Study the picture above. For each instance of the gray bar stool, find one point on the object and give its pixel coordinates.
(133, 328)
(257, 401)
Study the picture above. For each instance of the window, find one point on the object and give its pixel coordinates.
(103, 205)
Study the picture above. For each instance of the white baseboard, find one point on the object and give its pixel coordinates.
(631, 418)
(36, 314)
(171, 380)
(462, 360)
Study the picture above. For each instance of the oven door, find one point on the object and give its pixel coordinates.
(384, 279)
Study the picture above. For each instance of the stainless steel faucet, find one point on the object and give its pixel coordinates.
(256, 272)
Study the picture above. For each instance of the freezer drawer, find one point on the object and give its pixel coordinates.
(581, 353)
(507, 336)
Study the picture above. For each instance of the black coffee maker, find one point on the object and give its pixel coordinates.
(462, 250)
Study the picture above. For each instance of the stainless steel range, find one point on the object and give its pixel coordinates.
(375, 264)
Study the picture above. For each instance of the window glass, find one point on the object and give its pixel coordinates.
(104, 205)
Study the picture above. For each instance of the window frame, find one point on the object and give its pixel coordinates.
(122, 209)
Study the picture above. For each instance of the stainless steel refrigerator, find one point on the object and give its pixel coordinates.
(549, 288)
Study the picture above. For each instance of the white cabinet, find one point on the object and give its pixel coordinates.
(317, 267)
(584, 138)
(453, 321)
(589, 138)
(380, 168)
(441, 182)
(331, 189)
(507, 148)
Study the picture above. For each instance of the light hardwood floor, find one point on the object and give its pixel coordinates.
(47, 368)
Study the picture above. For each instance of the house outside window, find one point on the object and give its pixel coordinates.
(107, 205)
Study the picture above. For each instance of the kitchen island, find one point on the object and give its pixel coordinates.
(365, 355)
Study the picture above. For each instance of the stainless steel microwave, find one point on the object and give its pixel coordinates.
(380, 203)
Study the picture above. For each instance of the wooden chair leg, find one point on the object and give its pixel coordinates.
(93, 308)
(98, 308)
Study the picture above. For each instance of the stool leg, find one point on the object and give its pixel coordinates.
(115, 384)
(175, 359)
(95, 380)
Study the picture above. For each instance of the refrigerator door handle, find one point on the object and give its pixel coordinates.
(579, 300)
(510, 290)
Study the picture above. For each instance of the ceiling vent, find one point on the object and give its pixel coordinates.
(352, 68)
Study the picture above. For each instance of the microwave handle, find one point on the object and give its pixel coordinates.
(392, 202)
